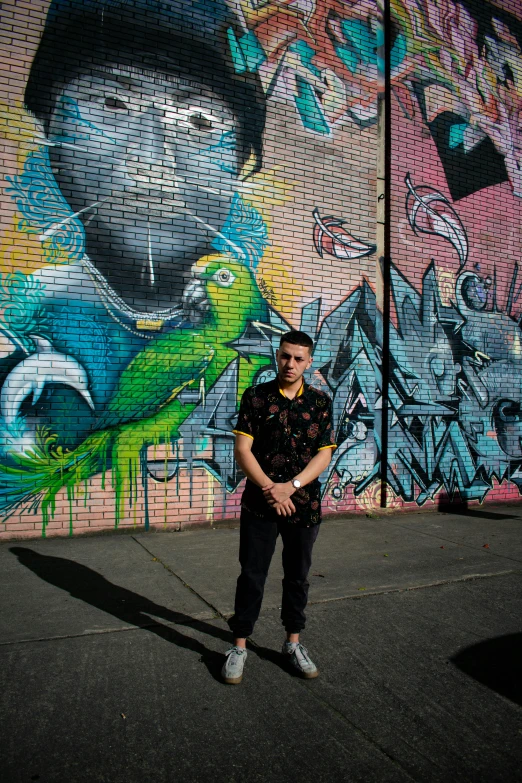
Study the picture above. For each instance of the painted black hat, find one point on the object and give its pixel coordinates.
(189, 38)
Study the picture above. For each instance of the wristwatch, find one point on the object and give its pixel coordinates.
(296, 483)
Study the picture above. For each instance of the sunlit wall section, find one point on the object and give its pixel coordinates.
(455, 342)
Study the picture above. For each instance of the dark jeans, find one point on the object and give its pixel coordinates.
(257, 541)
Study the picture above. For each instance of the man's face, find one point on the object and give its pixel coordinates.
(158, 151)
(292, 361)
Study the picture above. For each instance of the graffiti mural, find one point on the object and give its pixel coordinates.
(130, 182)
(455, 378)
(188, 181)
(456, 64)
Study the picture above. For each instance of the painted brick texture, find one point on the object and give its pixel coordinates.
(183, 182)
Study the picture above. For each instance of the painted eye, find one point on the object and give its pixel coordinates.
(224, 277)
(115, 104)
(201, 122)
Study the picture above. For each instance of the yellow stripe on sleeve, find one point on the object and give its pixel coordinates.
(332, 446)
(238, 432)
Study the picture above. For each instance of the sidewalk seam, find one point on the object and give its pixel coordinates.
(359, 730)
(438, 583)
(180, 579)
(356, 727)
(101, 632)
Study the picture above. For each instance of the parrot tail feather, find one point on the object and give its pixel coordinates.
(34, 478)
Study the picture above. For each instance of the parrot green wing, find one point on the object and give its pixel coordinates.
(156, 376)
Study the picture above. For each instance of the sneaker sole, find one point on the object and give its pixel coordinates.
(309, 675)
(232, 680)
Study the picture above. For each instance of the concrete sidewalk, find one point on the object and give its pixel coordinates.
(111, 648)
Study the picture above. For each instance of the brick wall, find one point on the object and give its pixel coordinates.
(183, 182)
(455, 388)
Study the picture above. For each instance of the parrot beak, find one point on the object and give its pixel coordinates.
(195, 297)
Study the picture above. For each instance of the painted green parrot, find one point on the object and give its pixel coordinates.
(146, 408)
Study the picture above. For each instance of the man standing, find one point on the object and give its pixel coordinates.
(284, 441)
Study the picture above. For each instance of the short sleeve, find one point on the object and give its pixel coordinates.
(245, 420)
(326, 439)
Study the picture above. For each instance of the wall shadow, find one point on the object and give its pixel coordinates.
(458, 505)
(496, 664)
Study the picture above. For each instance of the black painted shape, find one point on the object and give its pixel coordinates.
(466, 172)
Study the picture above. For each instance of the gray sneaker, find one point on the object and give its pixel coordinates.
(232, 671)
(300, 660)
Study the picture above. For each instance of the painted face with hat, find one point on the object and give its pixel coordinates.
(149, 130)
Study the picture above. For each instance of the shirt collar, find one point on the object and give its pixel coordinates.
(299, 393)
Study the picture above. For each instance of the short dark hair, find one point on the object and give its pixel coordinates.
(298, 338)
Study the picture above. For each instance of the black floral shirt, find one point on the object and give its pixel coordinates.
(286, 434)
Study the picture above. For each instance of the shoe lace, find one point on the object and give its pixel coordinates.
(301, 649)
(236, 650)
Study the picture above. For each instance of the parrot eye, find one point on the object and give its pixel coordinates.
(224, 277)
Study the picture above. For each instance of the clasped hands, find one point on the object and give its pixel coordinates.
(278, 496)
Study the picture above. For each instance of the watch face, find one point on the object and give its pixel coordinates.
(296, 483)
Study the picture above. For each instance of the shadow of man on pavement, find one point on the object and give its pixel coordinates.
(92, 588)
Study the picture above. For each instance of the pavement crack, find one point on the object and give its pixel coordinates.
(342, 717)
(329, 707)
(101, 631)
(407, 588)
(82, 635)
(182, 581)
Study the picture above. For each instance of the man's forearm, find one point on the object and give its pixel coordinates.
(315, 467)
(251, 468)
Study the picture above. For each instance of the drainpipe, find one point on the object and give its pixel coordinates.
(384, 236)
